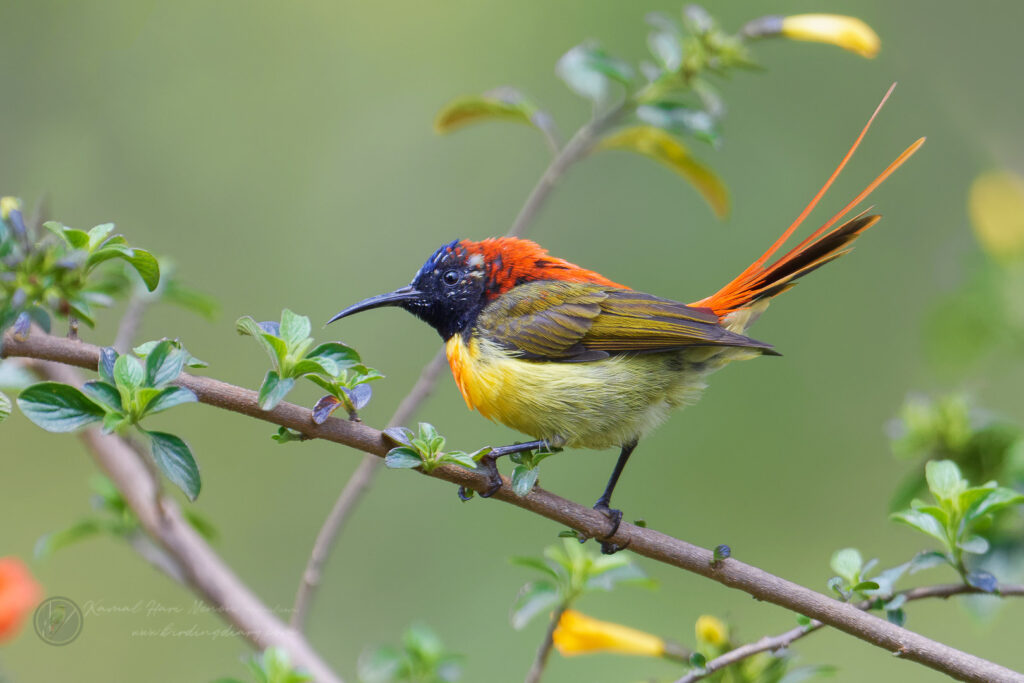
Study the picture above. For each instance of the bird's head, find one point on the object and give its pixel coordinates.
(462, 277)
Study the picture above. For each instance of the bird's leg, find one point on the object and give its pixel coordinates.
(490, 469)
(603, 504)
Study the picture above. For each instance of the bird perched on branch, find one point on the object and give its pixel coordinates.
(573, 359)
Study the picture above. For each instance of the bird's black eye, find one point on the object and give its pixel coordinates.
(451, 277)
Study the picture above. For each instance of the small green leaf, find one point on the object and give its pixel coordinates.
(246, 325)
(698, 660)
(589, 71)
(98, 234)
(402, 458)
(896, 616)
(803, 620)
(343, 356)
(308, 366)
(58, 407)
(533, 599)
(927, 560)
(470, 109)
(847, 563)
(168, 398)
(105, 394)
(113, 421)
(656, 144)
(5, 406)
(523, 479)
(976, 545)
(273, 390)
(866, 586)
(285, 435)
(174, 458)
(164, 363)
(52, 542)
(129, 373)
(534, 563)
(460, 458)
(944, 479)
(108, 357)
(399, 435)
(998, 499)
(922, 522)
(294, 328)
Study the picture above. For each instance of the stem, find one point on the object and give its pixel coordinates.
(578, 147)
(544, 651)
(783, 640)
(212, 578)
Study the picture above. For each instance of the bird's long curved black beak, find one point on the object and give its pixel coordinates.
(395, 298)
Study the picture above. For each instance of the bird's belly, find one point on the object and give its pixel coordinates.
(596, 404)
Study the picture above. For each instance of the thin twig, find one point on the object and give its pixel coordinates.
(544, 651)
(195, 564)
(182, 541)
(359, 483)
(783, 640)
(130, 322)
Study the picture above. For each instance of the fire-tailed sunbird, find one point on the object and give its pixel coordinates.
(573, 359)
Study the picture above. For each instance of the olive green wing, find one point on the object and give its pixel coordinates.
(570, 321)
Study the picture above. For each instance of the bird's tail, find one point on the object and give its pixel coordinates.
(759, 282)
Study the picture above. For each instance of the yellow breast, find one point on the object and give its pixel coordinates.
(594, 405)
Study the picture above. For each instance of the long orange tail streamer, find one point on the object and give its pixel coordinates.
(758, 281)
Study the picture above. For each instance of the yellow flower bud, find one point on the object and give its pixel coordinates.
(578, 634)
(996, 207)
(848, 33)
(712, 631)
(8, 204)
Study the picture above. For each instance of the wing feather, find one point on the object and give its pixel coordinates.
(572, 322)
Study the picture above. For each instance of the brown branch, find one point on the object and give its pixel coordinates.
(647, 542)
(359, 483)
(783, 640)
(195, 563)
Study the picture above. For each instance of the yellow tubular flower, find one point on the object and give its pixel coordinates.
(996, 205)
(848, 33)
(578, 634)
(8, 204)
(712, 631)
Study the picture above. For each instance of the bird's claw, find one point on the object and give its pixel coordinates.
(615, 517)
(494, 481)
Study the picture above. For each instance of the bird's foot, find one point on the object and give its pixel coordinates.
(490, 470)
(615, 517)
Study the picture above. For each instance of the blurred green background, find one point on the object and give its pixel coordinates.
(283, 155)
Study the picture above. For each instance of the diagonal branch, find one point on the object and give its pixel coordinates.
(647, 542)
(783, 640)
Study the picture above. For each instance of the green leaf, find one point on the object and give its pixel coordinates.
(927, 560)
(5, 406)
(174, 458)
(343, 356)
(460, 458)
(656, 144)
(108, 357)
(98, 234)
(273, 390)
(625, 573)
(81, 530)
(168, 398)
(402, 458)
(246, 325)
(589, 71)
(922, 522)
(944, 479)
(523, 479)
(534, 563)
(308, 366)
(285, 435)
(164, 363)
(105, 394)
(113, 421)
(533, 599)
(866, 586)
(399, 435)
(58, 407)
(698, 660)
(294, 328)
(144, 263)
(470, 109)
(129, 373)
(674, 117)
(847, 563)
(995, 501)
(976, 545)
